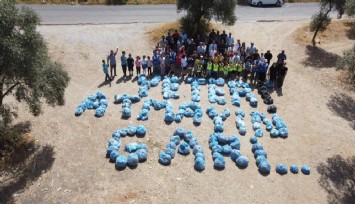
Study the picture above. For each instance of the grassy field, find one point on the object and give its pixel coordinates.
(118, 1)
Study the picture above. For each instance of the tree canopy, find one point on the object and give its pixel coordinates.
(26, 70)
(347, 63)
(201, 12)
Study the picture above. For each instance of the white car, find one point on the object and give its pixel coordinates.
(260, 3)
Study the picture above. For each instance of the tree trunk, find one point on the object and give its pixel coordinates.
(314, 37)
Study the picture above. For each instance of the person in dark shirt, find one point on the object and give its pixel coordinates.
(223, 36)
(281, 73)
(212, 36)
(282, 56)
(273, 73)
(222, 47)
(130, 64)
(268, 56)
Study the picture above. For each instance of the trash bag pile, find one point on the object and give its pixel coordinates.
(212, 96)
(170, 88)
(154, 81)
(200, 81)
(260, 156)
(95, 101)
(280, 126)
(195, 92)
(144, 84)
(239, 122)
(221, 146)
(126, 101)
(256, 119)
(219, 82)
(169, 115)
(183, 142)
(190, 110)
(262, 90)
(271, 109)
(217, 120)
(137, 152)
(236, 93)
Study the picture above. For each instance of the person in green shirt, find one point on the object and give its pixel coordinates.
(239, 67)
(215, 68)
(209, 68)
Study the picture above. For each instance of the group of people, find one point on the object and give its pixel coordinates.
(215, 55)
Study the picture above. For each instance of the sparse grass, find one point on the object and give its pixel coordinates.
(338, 29)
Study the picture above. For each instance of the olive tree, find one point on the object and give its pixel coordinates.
(347, 63)
(199, 13)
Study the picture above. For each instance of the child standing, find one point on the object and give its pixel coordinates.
(144, 64)
(130, 64)
(105, 70)
(138, 65)
(149, 65)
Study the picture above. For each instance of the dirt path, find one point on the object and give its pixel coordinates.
(81, 174)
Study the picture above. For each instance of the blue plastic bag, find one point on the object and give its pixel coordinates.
(221, 101)
(176, 139)
(114, 142)
(259, 133)
(184, 148)
(126, 112)
(121, 161)
(131, 130)
(143, 146)
(253, 102)
(225, 114)
(253, 140)
(274, 133)
(164, 158)
(200, 164)
(242, 130)
(281, 169)
(264, 167)
(242, 161)
(113, 155)
(260, 159)
(235, 145)
(260, 152)
(226, 149)
(306, 169)
(123, 132)
(219, 162)
(171, 145)
(100, 111)
(193, 142)
(180, 132)
(135, 99)
(220, 82)
(257, 146)
(197, 149)
(141, 130)
(294, 169)
(234, 154)
(131, 147)
(132, 159)
(79, 111)
(170, 152)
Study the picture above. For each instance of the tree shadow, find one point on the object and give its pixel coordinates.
(344, 106)
(29, 171)
(320, 58)
(351, 32)
(337, 177)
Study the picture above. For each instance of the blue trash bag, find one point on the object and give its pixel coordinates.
(121, 161)
(232, 84)
(235, 145)
(212, 114)
(232, 139)
(100, 95)
(135, 99)
(195, 98)
(132, 159)
(306, 169)
(242, 130)
(79, 111)
(100, 111)
(253, 102)
(131, 130)
(225, 114)
(242, 92)
(141, 130)
(219, 162)
(143, 146)
(171, 145)
(242, 161)
(146, 105)
(281, 169)
(193, 142)
(169, 116)
(180, 132)
(184, 148)
(260, 159)
(259, 133)
(96, 104)
(174, 79)
(220, 82)
(114, 142)
(174, 95)
(226, 149)
(103, 102)
(188, 136)
(212, 99)
(141, 79)
(256, 118)
(234, 154)
(219, 128)
(221, 101)
(116, 134)
(164, 158)
(217, 148)
(240, 112)
(178, 118)
(274, 133)
(174, 86)
(256, 126)
(269, 127)
(176, 139)
(222, 139)
(92, 97)
(220, 92)
(283, 132)
(211, 81)
(253, 140)
(202, 81)
(123, 132)
(143, 92)
(197, 120)
(131, 147)
(170, 152)
(126, 112)
(294, 169)
(113, 155)
(90, 105)
(249, 96)
(236, 103)
(189, 113)
(264, 167)
(257, 146)
(197, 149)
(200, 164)
(260, 152)
(189, 80)
(199, 154)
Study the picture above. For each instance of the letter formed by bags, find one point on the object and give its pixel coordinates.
(96, 101)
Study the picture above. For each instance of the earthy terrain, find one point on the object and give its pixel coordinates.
(314, 103)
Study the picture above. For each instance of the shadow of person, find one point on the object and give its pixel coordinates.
(123, 79)
(41, 161)
(337, 178)
(104, 83)
(135, 79)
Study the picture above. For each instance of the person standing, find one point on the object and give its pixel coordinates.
(281, 56)
(123, 63)
(268, 56)
(162, 64)
(144, 65)
(156, 63)
(105, 70)
(272, 74)
(149, 65)
(138, 63)
(172, 59)
(111, 60)
(130, 64)
(281, 74)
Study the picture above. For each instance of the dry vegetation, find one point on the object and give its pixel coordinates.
(338, 29)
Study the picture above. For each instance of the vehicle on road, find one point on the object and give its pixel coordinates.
(261, 3)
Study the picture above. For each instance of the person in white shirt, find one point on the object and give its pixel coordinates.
(230, 40)
(213, 52)
(201, 49)
(251, 49)
(183, 64)
(212, 46)
(163, 42)
(162, 64)
(237, 45)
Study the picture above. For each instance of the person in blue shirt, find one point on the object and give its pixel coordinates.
(105, 70)
(111, 60)
(262, 71)
(254, 71)
(281, 56)
(124, 63)
(156, 63)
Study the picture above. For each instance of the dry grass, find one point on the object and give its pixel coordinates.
(338, 29)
